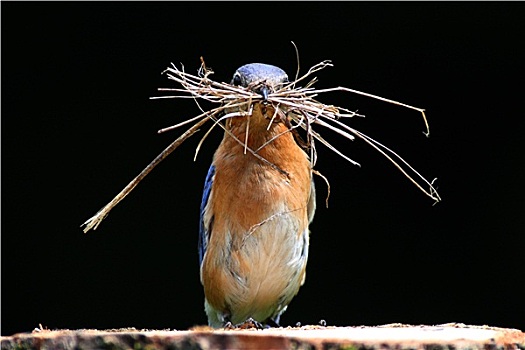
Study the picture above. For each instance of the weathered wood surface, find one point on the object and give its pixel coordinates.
(395, 336)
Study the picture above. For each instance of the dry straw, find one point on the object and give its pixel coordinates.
(297, 104)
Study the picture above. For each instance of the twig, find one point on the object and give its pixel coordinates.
(93, 222)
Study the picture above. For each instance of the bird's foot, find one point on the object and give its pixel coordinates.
(228, 325)
(250, 323)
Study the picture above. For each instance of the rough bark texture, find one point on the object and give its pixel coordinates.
(395, 336)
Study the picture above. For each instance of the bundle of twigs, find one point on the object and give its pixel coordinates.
(298, 103)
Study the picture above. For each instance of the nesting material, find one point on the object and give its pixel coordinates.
(294, 104)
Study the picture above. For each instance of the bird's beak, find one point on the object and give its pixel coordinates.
(264, 91)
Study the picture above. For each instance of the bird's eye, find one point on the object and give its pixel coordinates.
(237, 79)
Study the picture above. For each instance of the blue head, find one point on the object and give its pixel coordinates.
(262, 78)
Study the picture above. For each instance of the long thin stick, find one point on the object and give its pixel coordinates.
(342, 88)
(93, 222)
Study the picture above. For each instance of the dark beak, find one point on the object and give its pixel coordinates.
(264, 91)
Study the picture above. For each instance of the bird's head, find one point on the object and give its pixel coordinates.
(260, 78)
(265, 121)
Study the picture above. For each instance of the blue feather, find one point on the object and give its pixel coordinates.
(204, 234)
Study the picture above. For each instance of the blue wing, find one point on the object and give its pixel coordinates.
(205, 232)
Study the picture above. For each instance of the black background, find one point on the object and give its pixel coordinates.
(78, 125)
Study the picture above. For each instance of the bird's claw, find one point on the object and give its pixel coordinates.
(228, 325)
(250, 323)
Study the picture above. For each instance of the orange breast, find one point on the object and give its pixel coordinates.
(255, 259)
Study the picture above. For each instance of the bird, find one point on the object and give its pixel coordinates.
(255, 211)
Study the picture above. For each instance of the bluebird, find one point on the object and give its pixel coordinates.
(255, 211)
